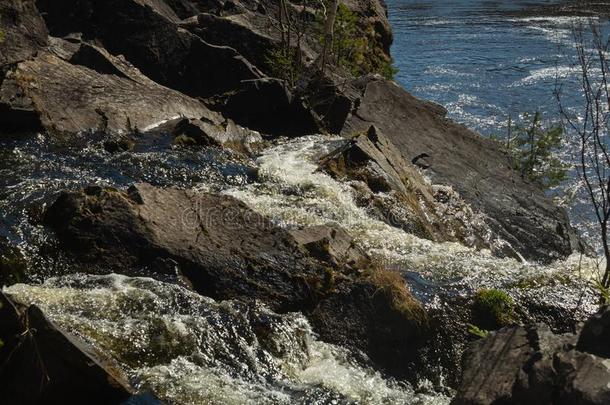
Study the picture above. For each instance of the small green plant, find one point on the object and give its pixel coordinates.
(493, 308)
(284, 63)
(476, 331)
(603, 292)
(534, 148)
(353, 50)
(2, 36)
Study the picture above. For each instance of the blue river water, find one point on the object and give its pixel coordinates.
(487, 60)
(481, 60)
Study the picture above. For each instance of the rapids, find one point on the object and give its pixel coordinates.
(189, 349)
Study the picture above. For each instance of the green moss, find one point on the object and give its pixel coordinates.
(476, 331)
(493, 309)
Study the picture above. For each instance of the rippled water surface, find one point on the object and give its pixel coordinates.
(483, 60)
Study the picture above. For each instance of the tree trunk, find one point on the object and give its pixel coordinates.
(329, 32)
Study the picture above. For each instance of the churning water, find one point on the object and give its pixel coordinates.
(188, 349)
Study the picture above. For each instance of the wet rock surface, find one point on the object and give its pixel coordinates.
(225, 249)
(371, 158)
(531, 364)
(154, 90)
(40, 363)
(475, 167)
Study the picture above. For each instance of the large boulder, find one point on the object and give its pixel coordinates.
(78, 86)
(40, 363)
(523, 365)
(484, 176)
(225, 249)
(408, 200)
(22, 31)
(149, 35)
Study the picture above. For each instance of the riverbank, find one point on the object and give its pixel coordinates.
(183, 219)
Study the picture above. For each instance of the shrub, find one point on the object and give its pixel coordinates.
(493, 309)
(534, 149)
(354, 50)
(284, 63)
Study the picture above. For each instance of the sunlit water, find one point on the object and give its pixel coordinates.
(189, 349)
(483, 61)
(468, 55)
(486, 61)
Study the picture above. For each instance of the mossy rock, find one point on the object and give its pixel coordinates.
(492, 309)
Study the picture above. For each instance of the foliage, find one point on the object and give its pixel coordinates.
(284, 63)
(493, 308)
(476, 331)
(603, 292)
(534, 149)
(354, 51)
(2, 36)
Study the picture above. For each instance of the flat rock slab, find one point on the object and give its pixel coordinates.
(66, 98)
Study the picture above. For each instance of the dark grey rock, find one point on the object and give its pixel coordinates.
(524, 365)
(64, 98)
(24, 31)
(149, 35)
(208, 133)
(483, 175)
(43, 364)
(595, 335)
(333, 245)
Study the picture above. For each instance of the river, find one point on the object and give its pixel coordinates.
(470, 56)
(484, 60)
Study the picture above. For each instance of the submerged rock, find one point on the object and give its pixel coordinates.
(523, 365)
(40, 363)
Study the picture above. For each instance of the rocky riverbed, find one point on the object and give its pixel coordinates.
(180, 225)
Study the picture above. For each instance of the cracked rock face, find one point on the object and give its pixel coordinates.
(531, 364)
(223, 248)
